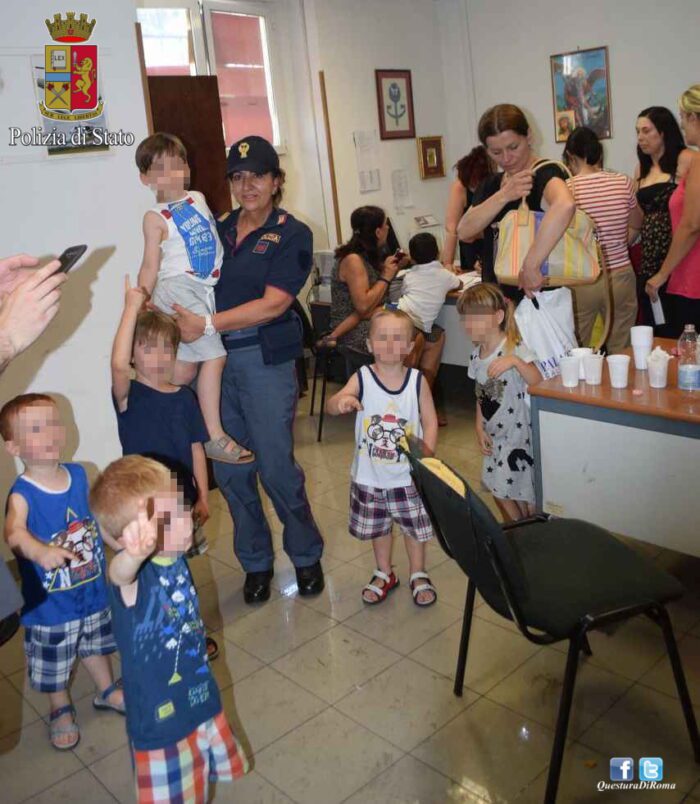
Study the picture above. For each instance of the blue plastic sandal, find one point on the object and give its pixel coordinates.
(100, 701)
(58, 731)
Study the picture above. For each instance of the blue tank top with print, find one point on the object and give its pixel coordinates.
(62, 518)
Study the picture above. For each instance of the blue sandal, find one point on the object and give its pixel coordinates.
(100, 700)
(58, 731)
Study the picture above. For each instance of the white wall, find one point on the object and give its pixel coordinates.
(355, 38)
(653, 52)
(51, 203)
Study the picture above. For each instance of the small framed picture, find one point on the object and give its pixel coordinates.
(395, 104)
(581, 92)
(431, 157)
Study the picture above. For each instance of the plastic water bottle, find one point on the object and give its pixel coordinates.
(688, 368)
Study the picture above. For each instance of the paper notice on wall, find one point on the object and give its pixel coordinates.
(400, 189)
(367, 159)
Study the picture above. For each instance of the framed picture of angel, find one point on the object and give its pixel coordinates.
(581, 92)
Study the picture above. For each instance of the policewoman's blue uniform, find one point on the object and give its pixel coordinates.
(258, 398)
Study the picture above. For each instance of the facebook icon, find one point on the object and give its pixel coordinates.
(621, 769)
(651, 769)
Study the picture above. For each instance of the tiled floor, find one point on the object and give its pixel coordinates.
(335, 701)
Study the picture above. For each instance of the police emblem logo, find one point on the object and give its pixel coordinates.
(70, 71)
(243, 149)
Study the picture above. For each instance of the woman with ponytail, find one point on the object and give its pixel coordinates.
(361, 277)
(609, 199)
(502, 368)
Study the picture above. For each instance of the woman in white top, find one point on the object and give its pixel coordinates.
(609, 199)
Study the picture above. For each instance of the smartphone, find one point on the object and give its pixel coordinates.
(399, 254)
(70, 256)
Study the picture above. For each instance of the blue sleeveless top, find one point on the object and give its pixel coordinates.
(168, 685)
(62, 518)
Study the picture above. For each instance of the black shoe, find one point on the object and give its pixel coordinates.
(310, 580)
(257, 586)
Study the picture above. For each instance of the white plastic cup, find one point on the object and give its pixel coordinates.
(570, 366)
(658, 373)
(580, 352)
(641, 352)
(642, 336)
(593, 369)
(618, 367)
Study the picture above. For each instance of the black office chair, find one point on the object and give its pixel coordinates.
(556, 579)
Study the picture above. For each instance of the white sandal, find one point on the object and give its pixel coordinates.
(382, 592)
(417, 588)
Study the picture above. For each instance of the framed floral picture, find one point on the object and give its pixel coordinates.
(431, 157)
(581, 92)
(395, 104)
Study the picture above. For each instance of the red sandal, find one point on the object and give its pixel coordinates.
(382, 592)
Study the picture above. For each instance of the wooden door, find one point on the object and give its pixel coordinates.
(188, 106)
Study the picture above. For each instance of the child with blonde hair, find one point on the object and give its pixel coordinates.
(392, 402)
(178, 733)
(502, 367)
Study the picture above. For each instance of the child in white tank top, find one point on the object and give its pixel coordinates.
(181, 264)
(391, 401)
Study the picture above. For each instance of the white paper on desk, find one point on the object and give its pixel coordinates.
(400, 189)
(658, 312)
(367, 160)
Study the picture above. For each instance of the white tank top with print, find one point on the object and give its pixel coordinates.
(192, 247)
(386, 417)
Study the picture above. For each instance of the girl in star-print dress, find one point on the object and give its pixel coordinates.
(502, 367)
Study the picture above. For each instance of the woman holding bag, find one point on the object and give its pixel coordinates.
(505, 133)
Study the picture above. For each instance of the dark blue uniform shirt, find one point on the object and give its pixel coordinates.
(279, 253)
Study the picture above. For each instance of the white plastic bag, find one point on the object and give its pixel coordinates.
(548, 331)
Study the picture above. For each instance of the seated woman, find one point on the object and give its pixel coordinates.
(354, 298)
(505, 133)
(609, 199)
(359, 282)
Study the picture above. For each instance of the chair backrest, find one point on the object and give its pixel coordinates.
(320, 318)
(473, 537)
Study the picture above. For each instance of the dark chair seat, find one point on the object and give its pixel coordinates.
(586, 570)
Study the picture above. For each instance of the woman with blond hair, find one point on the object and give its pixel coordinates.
(682, 264)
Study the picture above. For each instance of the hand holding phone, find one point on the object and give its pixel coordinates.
(399, 254)
(70, 256)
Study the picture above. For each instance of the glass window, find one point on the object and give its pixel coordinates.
(167, 41)
(240, 55)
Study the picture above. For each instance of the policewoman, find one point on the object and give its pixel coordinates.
(267, 259)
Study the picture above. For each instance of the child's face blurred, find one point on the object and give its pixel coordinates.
(154, 359)
(480, 323)
(174, 522)
(390, 340)
(168, 174)
(39, 435)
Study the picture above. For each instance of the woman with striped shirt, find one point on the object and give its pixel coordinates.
(609, 199)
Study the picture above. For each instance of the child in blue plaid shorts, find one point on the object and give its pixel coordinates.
(392, 402)
(61, 560)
